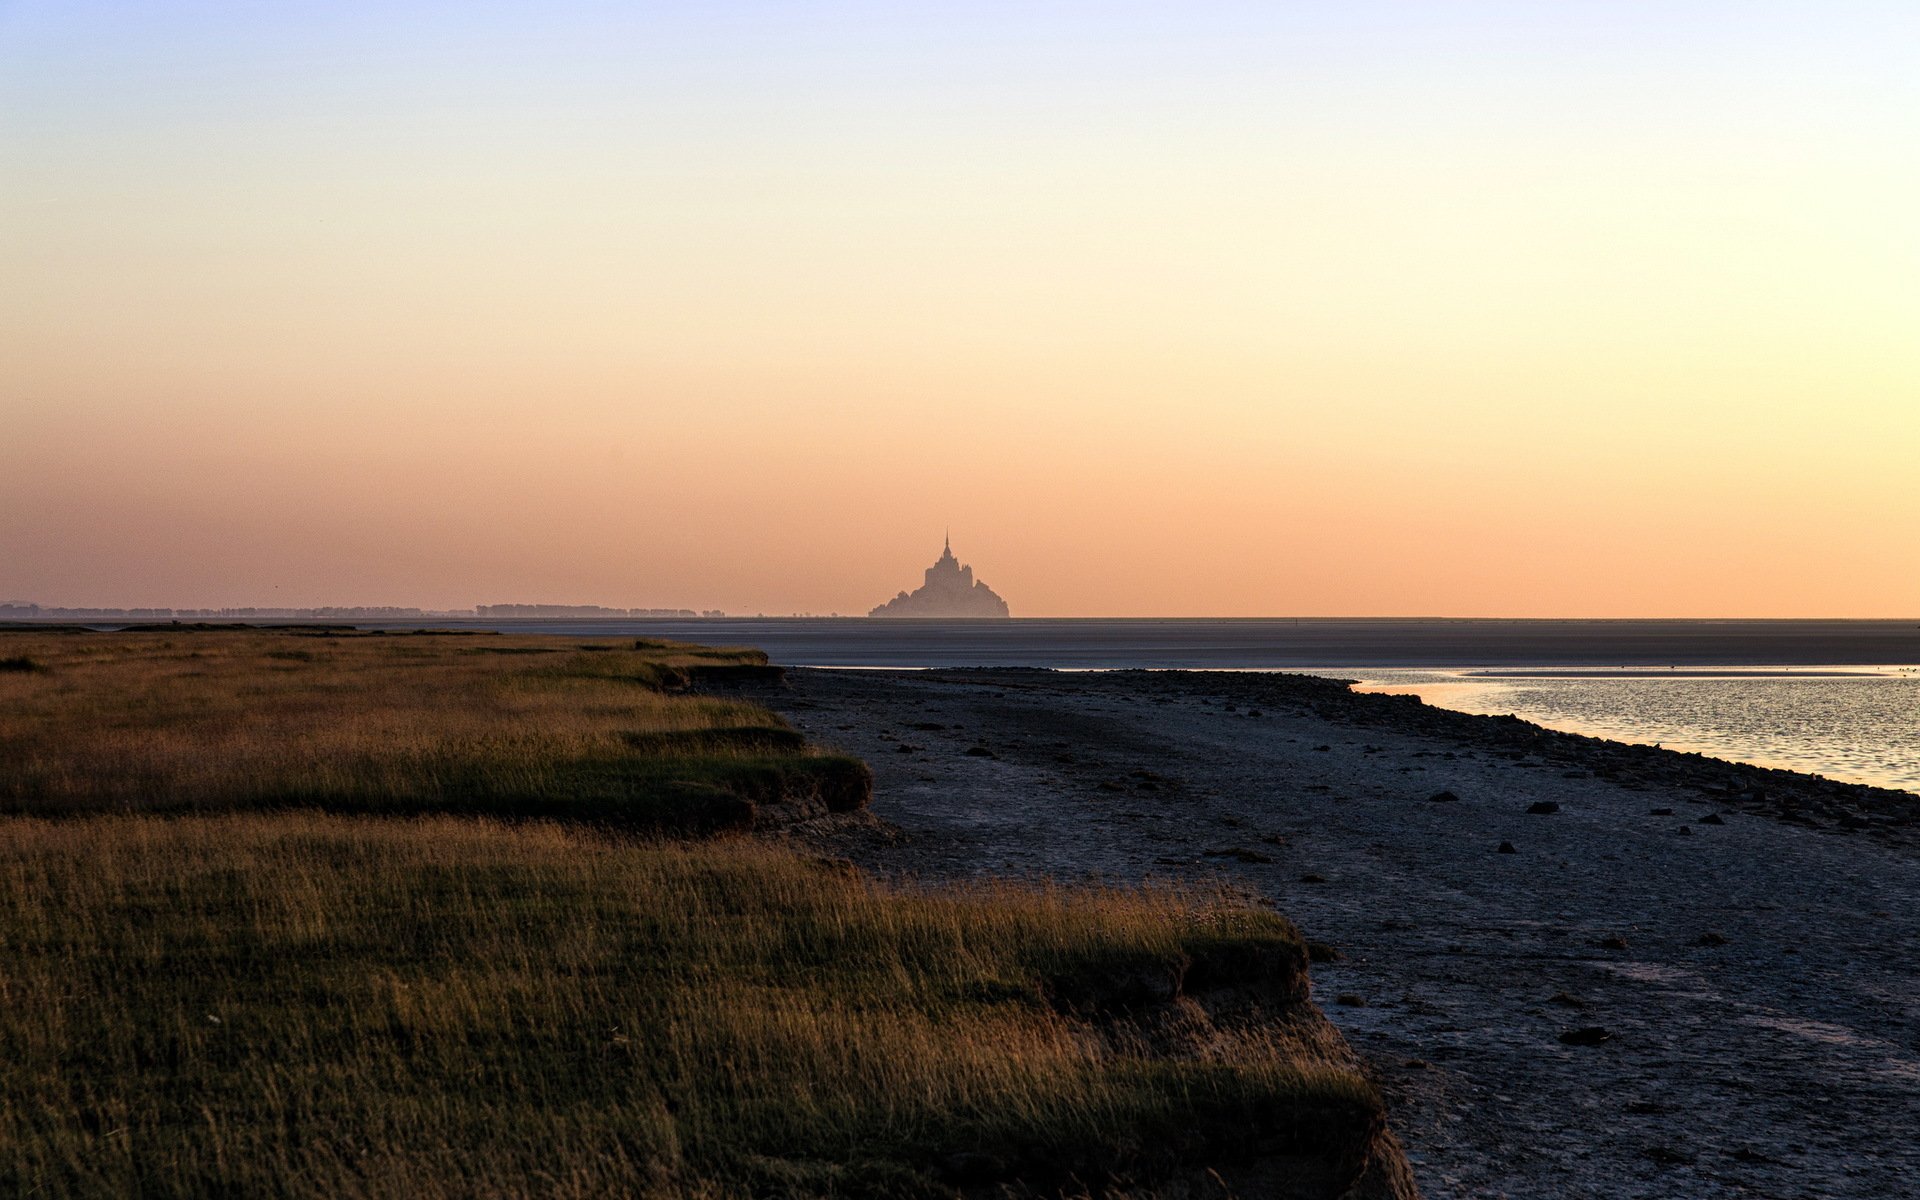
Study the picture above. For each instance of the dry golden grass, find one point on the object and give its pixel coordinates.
(208, 988)
(223, 719)
(326, 1006)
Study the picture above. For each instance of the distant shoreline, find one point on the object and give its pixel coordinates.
(1206, 643)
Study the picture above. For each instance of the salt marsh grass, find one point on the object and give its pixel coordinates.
(225, 719)
(319, 1005)
(306, 914)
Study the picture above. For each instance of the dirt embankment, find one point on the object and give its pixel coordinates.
(1191, 1010)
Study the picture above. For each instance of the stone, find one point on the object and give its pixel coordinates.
(1543, 808)
(1443, 798)
(1507, 848)
(1587, 1035)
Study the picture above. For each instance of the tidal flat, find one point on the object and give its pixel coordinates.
(1576, 967)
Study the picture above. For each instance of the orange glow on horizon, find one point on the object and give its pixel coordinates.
(1235, 315)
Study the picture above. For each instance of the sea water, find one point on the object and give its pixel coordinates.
(1861, 725)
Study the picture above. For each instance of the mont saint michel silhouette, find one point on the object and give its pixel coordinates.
(950, 591)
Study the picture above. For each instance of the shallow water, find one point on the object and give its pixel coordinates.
(1860, 726)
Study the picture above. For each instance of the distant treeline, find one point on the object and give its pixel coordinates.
(16, 611)
(585, 610)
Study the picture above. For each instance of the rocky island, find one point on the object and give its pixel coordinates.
(950, 591)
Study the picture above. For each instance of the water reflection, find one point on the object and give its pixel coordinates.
(1862, 726)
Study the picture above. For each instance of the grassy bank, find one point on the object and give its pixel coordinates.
(180, 720)
(308, 915)
(328, 1006)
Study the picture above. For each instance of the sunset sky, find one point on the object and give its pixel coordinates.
(1518, 309)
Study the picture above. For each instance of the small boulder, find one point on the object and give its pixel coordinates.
(1711, 938)
(980, 752)
(1712, 819)
(1587, 1035)
(1507, 848)
(1443, 798)
(1659, 812)
(1543, 808)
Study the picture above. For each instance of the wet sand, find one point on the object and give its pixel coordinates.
(1756, 974)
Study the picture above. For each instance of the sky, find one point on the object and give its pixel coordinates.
(1209, 309)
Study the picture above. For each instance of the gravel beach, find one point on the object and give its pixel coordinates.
(1579, 969)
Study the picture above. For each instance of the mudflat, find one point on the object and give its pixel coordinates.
(1577, 968)
(1282, 643)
